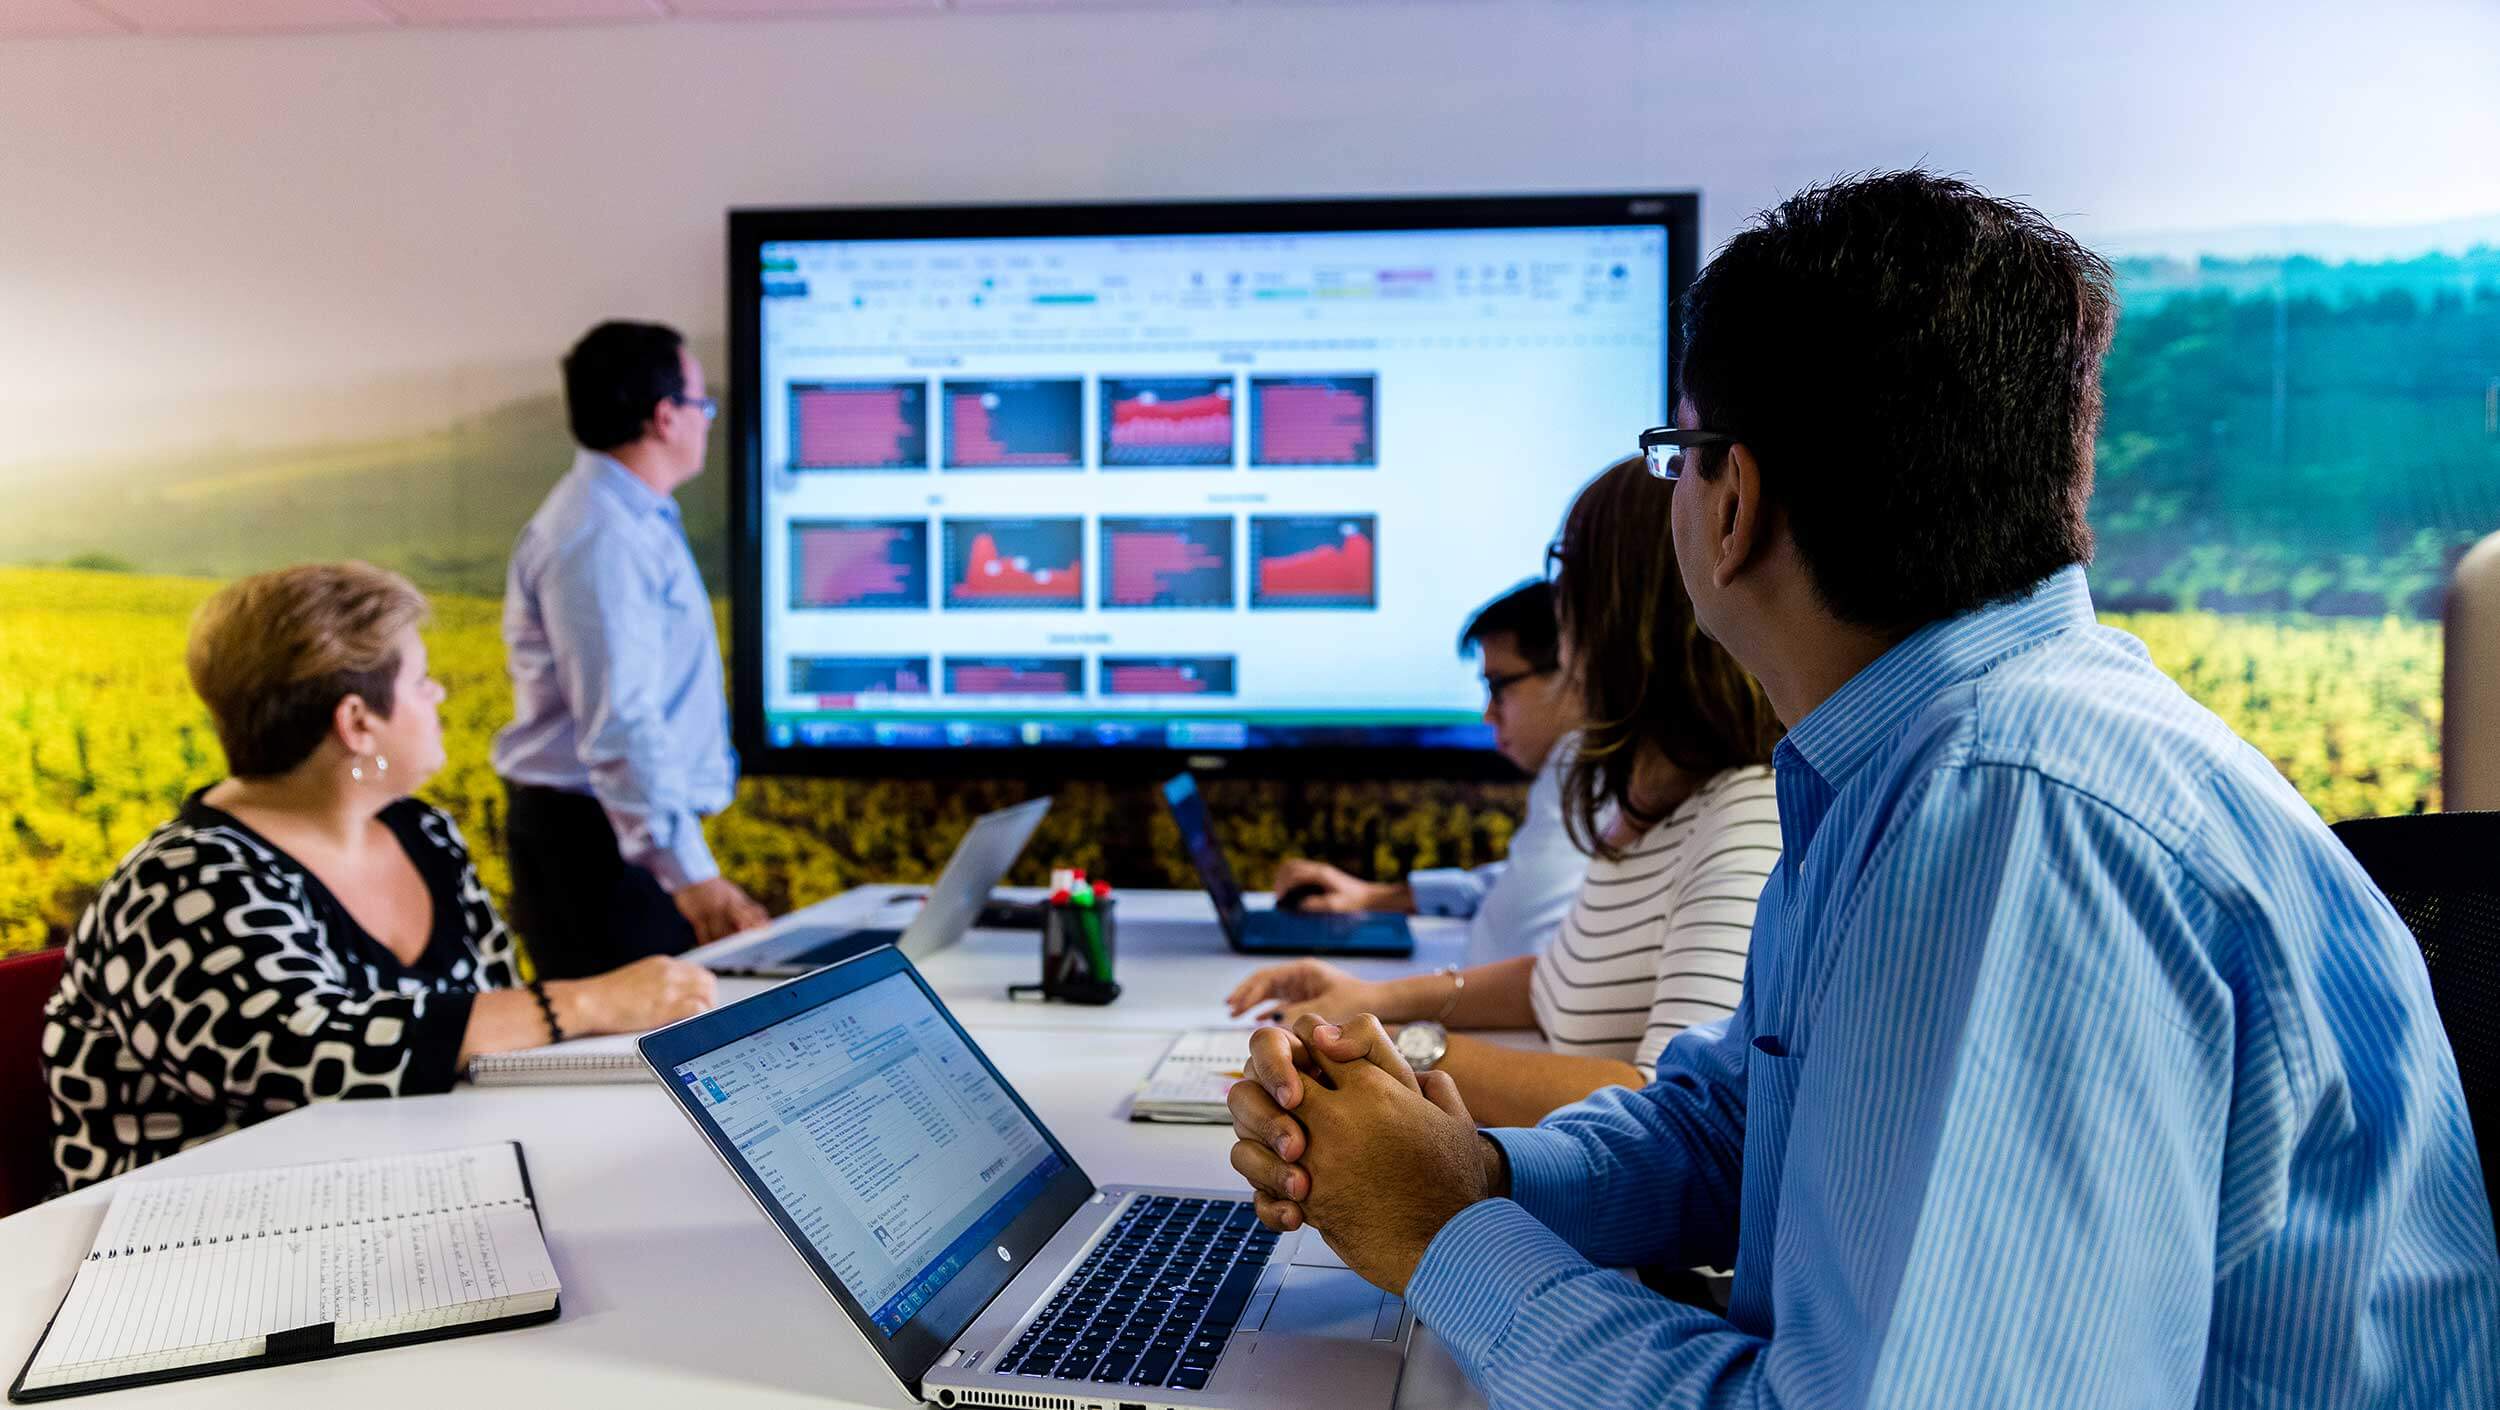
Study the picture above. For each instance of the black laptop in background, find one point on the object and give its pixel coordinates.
(1273, 932)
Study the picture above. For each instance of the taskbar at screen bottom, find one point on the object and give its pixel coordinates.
(920, 731)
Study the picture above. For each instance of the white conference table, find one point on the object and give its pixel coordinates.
(677, 1292)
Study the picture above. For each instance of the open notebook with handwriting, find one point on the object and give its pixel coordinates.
(194, 1275)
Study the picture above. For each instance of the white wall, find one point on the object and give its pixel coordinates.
(264, 238)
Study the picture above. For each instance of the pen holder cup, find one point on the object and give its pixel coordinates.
(1076, 953)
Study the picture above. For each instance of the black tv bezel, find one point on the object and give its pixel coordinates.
(1677, 212)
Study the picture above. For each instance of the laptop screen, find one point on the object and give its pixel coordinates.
(1189, 812)
(865, 1120)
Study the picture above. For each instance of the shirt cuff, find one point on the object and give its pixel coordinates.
(434, 1043)
(686, 860)
(1549, 1179)
(1443, 891)
(1480, 1270)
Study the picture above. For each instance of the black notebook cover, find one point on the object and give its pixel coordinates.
(288, 1348)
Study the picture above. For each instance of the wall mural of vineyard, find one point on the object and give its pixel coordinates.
(2295, 453)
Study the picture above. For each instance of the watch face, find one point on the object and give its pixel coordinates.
(1422, 1044)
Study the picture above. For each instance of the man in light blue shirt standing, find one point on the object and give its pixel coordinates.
(1513, 906)
(2078, 1065)
(619, 743)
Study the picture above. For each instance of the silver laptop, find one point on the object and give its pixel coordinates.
(989, 847)
(966, 1246)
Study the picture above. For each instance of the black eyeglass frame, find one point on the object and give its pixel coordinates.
(1664, 447)
(1495, 687)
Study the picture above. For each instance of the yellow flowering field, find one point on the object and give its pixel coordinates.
(100, 738)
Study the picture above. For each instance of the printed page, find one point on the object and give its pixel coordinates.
(1195, 1074)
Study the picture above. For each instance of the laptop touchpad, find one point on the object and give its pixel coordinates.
(1324, 1302)
(1312, 1251)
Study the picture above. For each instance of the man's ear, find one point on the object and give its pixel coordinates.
(1741, 521)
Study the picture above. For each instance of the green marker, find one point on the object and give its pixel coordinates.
(1090, 926)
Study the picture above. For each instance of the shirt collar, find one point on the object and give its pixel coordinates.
(1838, 736)
(610, 474)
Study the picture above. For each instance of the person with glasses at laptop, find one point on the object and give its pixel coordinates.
(2078, 1065)
(619, 742)
(1512, 906)
(1670, 790)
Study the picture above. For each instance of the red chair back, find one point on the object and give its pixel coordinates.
(26, 985)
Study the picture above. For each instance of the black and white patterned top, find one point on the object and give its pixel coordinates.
(215, 983)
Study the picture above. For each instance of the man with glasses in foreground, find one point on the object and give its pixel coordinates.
(619, 743)
(1514, 905)
(2077, 1065)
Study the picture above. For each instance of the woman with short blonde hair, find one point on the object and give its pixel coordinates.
(304, 930)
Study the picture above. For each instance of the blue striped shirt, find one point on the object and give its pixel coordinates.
(2077, 1065)
(616, 671)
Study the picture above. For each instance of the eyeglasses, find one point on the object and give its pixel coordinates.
(1664, 446)
(709, 407)
(1497, 686)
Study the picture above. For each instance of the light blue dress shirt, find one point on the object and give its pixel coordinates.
(2078, 1065)
(1514, 906)
(616, 672)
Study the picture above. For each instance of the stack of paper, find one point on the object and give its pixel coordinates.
(1190, 1082)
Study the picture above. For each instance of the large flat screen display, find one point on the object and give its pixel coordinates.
(1092, 489)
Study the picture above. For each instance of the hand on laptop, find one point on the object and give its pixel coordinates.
(1334, 1131)
(1298, 987)
(717, 909)
(1339, 891)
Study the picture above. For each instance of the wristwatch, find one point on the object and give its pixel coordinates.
(1423, 1044)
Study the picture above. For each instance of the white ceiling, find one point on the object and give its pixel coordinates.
(27, 19)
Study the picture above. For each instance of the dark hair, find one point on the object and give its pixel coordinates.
(616, 376)
(272, 655)
(1525, 614)
(1916, 366)
(1647, 676)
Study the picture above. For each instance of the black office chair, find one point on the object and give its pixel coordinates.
(2443, 872)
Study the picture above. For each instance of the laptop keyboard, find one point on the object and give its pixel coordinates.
(1155, 1301)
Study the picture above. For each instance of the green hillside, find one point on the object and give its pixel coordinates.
(2282, 435)
(443, 507)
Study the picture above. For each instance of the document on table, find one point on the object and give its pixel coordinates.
(1189, 1082)
(193, 1275)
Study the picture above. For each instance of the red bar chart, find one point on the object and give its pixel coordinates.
(1169, 564)
(859, 426)
(841, 682)
(1167, 675)
(1328, 423)
(1018, 424)
(1015, 675)
(850, 565)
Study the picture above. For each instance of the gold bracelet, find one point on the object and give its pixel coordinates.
(1458, 986)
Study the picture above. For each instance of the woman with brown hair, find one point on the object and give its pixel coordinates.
(303, 931)
(1671, 795)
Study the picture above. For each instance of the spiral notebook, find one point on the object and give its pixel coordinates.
(605, 1059)
(197, 1275)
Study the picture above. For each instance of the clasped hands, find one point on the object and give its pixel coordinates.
(1336, 1132)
